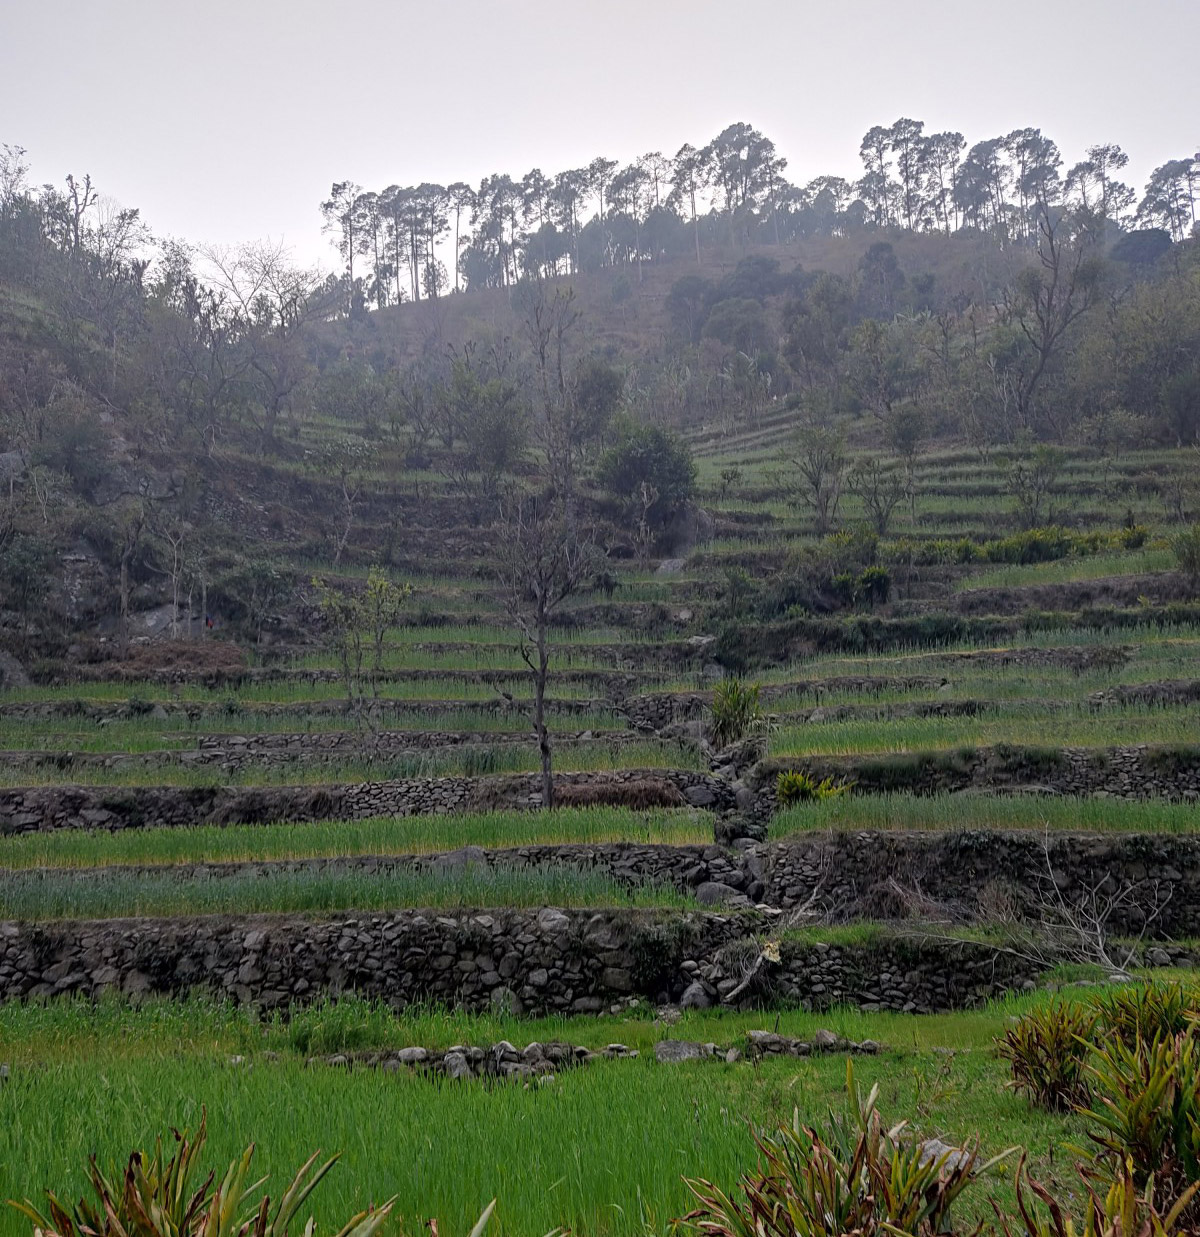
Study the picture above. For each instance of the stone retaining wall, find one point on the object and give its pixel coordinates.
(527, 961)
(657, 710)
(40, 808)
(966, 876)
(973, 875)
(1140, 772)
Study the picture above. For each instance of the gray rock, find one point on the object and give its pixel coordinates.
(933, 1150)
(412, 1056)
(552, 921)
(699, 796)
(456, 1065)
(695, 997)
(672, 1051)
(713, 893)
(824, 1040)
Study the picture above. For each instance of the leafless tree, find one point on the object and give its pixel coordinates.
(270, 300)
(540, 561)
(1061, 928)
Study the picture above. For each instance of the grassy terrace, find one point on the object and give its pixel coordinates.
(947, 813)
(387, 836)
(1111, 727)
(42, 894)
(154, 734)
(599, 1150)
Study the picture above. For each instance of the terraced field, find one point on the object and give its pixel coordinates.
(274, 878)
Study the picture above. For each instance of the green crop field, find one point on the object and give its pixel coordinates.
(602, 1149)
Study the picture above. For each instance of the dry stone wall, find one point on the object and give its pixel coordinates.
(526, 961)
(40, 808)
(971, 874)
(1140, 772)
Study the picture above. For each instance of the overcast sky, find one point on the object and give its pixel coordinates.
(227, 120)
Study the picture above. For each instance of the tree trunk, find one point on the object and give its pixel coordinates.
(539, 711)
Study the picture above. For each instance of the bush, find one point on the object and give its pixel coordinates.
(160, 1197)
(1186, 547)
(1047, 1051)
(735, 711)
(652, 456)
(1034, 545)
(1145, 1110)
(854, 1176)
(1148, 1011)
(794, 786)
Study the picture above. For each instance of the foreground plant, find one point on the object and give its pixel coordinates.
(1122, 1211)
(1047, 1051)
(160, 1197)
(853, 1177)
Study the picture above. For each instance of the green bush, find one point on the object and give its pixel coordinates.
(1148, 1011)
(735, 711)
(794, 786)
(1186, 547)
(1145, 1109)
(652, 456)
(1047, 1051)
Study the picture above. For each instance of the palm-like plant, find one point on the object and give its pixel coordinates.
(157, 1196)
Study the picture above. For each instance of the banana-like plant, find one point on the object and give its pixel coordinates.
(157, 1196)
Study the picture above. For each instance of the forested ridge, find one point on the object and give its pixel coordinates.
(199, 425)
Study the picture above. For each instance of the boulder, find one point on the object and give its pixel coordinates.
(695, 997)
(672, 1051)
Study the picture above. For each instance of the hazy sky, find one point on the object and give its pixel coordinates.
(227, 120)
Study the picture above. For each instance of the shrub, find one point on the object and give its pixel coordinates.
(1186, 547)
(735, 711)
(855, 1176)
(652, 456)
(794, 786)
(1121, 1210)
(1047, 1051)
(160, 1197)
(1148, 1011)
(1145, 1110)
(1034, 545)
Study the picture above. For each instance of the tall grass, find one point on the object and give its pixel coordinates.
(938, 813)
(40, 894)
(1113, 727)
(469, 760)
(391, 836)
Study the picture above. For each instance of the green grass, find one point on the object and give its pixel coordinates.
(391, 836)
(41, 894)
(957, 812)
(601, 1150)
(1068, 570)
(1110, 727)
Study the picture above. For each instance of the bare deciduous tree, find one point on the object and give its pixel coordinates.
(540, 560)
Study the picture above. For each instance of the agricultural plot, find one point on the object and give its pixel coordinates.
(233, 886)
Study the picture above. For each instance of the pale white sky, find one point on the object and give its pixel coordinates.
(227, 120)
